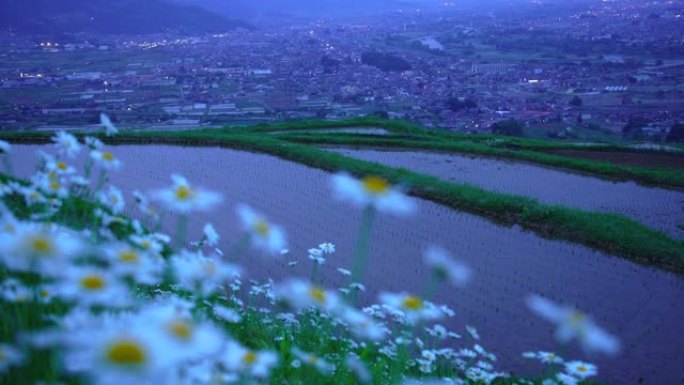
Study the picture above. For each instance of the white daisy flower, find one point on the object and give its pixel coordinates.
(227, 314)
(549, 358)
(581, 369)
(359, 368)
(93, 143)
(194, 271)
(189, 340)
(43, 249)
(14, 291)
(362, 325)
(545, 357)
(344, 271)
(446, 267)
(254, 363)
(572, 323)
(91, 286)
(372, 191)
(106, 160)
(124, 352)
(185, 198)
(321, 365)
(301, 294)
(264, 235)
(31, 195)
(472, 331)
(51, 184)
(67, 144)
(316, 255)
(327, 247)
(567, 379)
(147, 243)
(413, 308)
(59, 167)
(113, 199)
(9, 356)
(126, 260)
(5, 147)
(210, 235)
(109, 127)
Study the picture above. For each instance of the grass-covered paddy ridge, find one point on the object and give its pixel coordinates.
(610, 233)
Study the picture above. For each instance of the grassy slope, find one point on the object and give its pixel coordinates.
(664, 177)
(404, 135)
(609, 233)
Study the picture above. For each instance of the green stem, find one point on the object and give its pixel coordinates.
(8, 164)
(101, 180)
(238, 248)
(432, 285)
(314, 272)
(181, 230)
(362, 246)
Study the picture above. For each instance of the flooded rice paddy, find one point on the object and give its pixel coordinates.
(656, 208)
(641, 305)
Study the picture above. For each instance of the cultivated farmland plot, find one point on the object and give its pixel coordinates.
(641, 305)
(657, 208)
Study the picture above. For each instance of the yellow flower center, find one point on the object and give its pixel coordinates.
(581, 368)
(210, 268)
(577, 317)
(317, 293)
(375, 185)
(249, 358)
(41, 245)
(262, 227)
(52, 175)
(128, 256)
(62, 166)
(93, 282)
(55, 186)
(181, 329)
(44, 293)
(183, 193)
(126, 353)
(313, 359)
(145, 244)
(107, 156)
(413, 303)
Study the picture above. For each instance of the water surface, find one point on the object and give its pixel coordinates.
(642, 305)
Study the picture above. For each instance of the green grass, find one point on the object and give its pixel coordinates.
(514, 149)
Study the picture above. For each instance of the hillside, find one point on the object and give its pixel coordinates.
(109, 17)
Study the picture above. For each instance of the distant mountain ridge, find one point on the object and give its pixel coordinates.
(252, 9)
(110, 17)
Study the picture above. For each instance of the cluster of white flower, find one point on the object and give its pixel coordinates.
(125, 308)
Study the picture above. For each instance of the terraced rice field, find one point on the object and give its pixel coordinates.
(639, 304)
(657, 208)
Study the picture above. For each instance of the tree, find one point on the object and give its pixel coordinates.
(633, 127)
(676, 133)
(457, 104)
(509, 127)
(576, 101)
